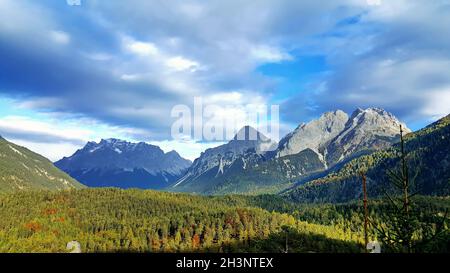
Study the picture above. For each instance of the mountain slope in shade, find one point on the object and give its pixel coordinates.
(117, 163)
(428, 158)
(22, 170)
(256, 174)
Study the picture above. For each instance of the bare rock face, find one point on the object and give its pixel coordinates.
(335, 136)
(314, 134)
(369, 129)
(248, 142)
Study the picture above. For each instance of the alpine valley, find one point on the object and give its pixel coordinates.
(215, 127)
(248, 195)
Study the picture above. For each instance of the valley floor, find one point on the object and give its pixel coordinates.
(113, 220)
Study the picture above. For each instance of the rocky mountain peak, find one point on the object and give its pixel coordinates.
(375, 120)
(313, 135)
(367, 129)
(247, 142)
(248, 133)
(335, 136)
(357, 112)
(119, 146)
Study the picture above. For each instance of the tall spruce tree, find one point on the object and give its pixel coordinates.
(404, 229)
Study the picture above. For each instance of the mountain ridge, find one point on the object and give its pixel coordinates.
(311, 148)
(119, 163)
(314, 134)
(367, 129)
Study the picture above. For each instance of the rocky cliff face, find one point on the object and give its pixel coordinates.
(245, 146)
(313, 135)
(369, 129)
(335, 136)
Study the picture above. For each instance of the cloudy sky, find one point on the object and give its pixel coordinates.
(70, 74)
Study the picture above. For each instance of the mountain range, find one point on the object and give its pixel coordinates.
(319, 161)
(312, 148)
(118, 163)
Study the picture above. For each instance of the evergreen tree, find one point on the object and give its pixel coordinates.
(404, 231)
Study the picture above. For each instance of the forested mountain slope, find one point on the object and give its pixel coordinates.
(24, 170)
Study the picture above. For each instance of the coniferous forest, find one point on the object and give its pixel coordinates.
(113, 220)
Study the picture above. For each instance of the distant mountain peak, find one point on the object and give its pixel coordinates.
(248, 133)
(131, 164)
(372, 111)
(376, 117)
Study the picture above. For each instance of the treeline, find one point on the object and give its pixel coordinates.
(112, 220)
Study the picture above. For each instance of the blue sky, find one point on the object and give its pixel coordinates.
(71, 74)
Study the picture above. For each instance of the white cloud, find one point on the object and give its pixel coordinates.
(154, 52)
(373, 2)
(56, 137)
(26, 125)
(233, 97)
(60, 37)
(179, 63)
(50, 139)
(437, 103)
(269, 54)
(192, 10)
(141, 48)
